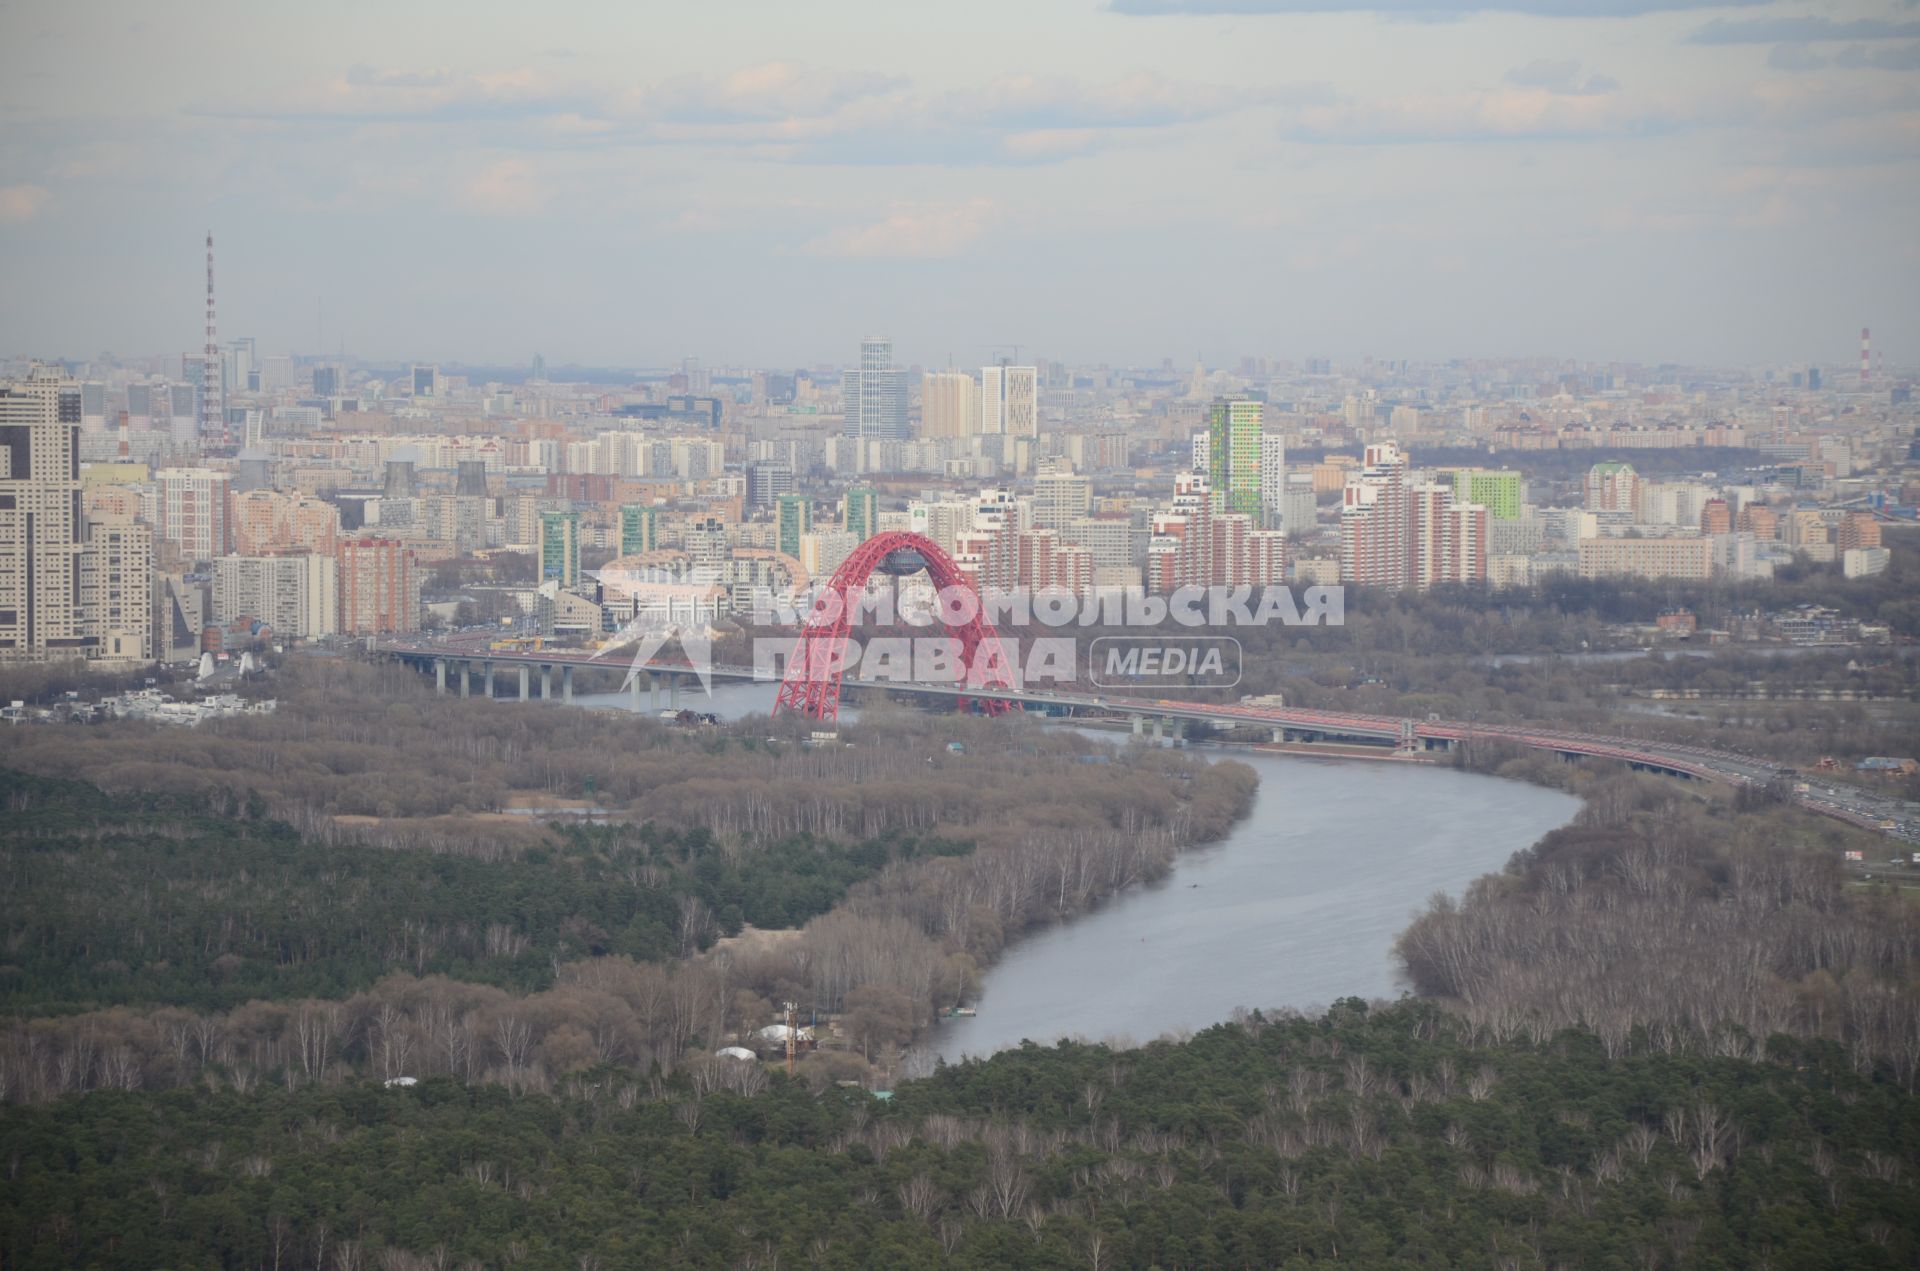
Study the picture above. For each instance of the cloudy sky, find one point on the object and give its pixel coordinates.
(764, 181)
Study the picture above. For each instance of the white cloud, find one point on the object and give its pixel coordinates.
(507, 187)
(913, 231)
(1561, 77)
(22, 203)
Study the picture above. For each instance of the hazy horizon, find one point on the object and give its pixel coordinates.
(1703, 184)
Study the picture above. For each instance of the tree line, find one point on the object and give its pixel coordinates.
(1660, 921)
(1386, 1137)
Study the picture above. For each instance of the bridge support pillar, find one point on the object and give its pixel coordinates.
(466, 679)
(486, 669)
(523, 683)
(546, 683)
(633, 691)
(653, 692)
(1279, 735)
(566, 683)
(673, 692)
(1159, 729)
(1139, 725)
(440, 676)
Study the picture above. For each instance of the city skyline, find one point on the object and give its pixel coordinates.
(1722, 185)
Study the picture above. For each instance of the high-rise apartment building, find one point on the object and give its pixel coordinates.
(1193, 544)
(379, 584)
(1856, 531)
(560, 547)
(1448, 539)
(297, 594)
(639, 529)
(1395, 534)
(1375, 525)
(267, 520)
(1061, 498)
(874, 396)
(1759, 520)
(767, 480)
(1613, 486)
(116, 589)
(1234, 454)
(793, 521)
(42, 535)
(1010, 401)
(863, 512)
(1502, 494)
(70, 587)
(949, 405)
(1273, 476)
(195, 523)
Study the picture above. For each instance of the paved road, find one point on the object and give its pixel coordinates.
(1845, 803)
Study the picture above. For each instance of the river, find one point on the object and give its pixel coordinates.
(1298, 906)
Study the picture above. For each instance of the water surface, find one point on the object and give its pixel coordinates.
(1298, 906)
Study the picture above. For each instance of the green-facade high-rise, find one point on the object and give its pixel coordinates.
(1234, 425)
(639, 529)
(863, 512)
(1501, 493)
(560, 547)
(795, 519)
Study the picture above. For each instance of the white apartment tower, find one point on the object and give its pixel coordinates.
(1010, 401)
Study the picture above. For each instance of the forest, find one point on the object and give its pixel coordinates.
(1389, 1137)
(1659, 919)
(181, 926)
(152, 901)
(302, 992)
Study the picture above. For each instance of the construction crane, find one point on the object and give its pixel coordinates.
(997, 347)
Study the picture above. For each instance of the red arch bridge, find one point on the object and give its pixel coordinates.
(812, 683)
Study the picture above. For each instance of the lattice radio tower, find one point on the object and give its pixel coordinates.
(213, 387)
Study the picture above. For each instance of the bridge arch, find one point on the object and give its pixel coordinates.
(812, 682)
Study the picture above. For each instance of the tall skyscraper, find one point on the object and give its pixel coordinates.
(949, 404)
(1010, 401)
(426, 380)
(68, 589)
(560, 547)
(794, 520)
(1234, 454)
(874, 396)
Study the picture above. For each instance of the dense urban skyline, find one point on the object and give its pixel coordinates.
(1287, 178)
